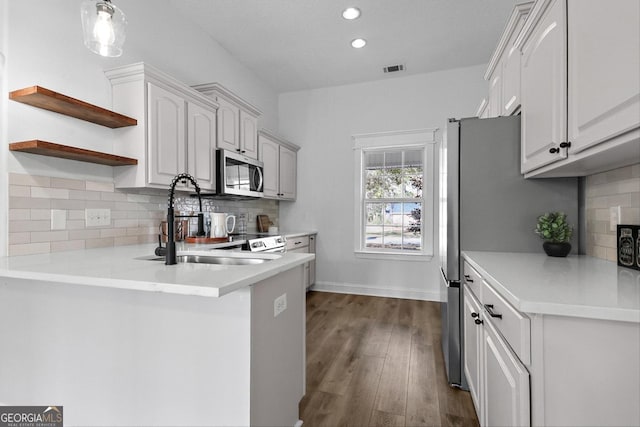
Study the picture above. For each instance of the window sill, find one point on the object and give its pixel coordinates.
(393, 256)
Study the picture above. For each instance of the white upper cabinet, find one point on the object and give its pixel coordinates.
(175, 132)
(580, 87)
(248, 134)
(237, 120)
(166, 135)
(201, 145)
(270, 156)
(228, 125)
(604, 70)
(288, 173)
(544, 89)
(503, 72)
(280, 160)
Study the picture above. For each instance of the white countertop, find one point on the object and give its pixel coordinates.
(296, 233)
(578, 285)
(120, 267)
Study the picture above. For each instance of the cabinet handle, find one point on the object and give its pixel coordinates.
(554, 150)
(297, 243)
(468, 278)
(474, 314)
(478, 322)
(565, 144)
(489, 308)
(238, 150)
(243, 151)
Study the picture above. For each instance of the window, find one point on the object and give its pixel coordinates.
(394, 194)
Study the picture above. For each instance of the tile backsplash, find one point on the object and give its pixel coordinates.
(135, 217)
(618, 187)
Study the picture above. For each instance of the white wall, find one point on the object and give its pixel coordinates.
(42, 45)
(4, 197)
(322, 122)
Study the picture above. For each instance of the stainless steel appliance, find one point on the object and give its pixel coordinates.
(486, 205)
(267, 244)
(238, 176)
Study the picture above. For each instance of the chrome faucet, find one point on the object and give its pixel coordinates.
(170, 256)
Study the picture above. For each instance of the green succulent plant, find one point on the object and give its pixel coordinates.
(553, 227)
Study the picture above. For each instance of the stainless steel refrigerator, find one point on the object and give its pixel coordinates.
(486, 205)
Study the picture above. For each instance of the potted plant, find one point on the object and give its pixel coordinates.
(552, 227)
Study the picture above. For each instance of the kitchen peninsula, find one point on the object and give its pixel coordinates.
(118, 339)
(551, 341)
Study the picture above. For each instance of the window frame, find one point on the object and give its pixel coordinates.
(398, 140)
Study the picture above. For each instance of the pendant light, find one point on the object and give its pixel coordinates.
(103, 26)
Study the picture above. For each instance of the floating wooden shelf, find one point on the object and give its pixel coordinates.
(65, 152)
(40, 97)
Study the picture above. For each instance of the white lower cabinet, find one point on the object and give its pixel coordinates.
(304, 244)
(532, 368)
(473, 346)
(498, 381)
(506, 382)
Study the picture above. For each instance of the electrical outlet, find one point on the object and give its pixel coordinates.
(279, 305)
(614, 217)
(97, 217)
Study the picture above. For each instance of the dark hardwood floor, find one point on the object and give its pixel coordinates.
(375, 361)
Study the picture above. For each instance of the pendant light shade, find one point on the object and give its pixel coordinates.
(103, 26)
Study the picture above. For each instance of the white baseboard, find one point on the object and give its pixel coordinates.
(359, 289)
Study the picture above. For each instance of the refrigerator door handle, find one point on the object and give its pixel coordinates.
(449, 283)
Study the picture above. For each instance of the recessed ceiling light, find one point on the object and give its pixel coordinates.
(358, 43)
(351, 13)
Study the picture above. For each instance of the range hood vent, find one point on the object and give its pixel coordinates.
(393, 68)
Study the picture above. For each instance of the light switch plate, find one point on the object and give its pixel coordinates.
(58, 219)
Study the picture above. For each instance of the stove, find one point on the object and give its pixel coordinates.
(266, 244)
(260, 242)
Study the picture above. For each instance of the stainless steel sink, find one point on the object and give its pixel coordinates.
(224, 260)
(221, 258)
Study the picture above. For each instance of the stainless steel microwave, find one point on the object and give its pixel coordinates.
(238, 175)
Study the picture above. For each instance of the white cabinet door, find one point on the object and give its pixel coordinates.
(201, 145)
(473, 348)
(506, 383)
(510, 79)
(166, 135)
(228, 125)
(312, 264)
(248, 135)
(288, 173)
(544, 90)
(495, 93)
(604, 70)
(269, 154)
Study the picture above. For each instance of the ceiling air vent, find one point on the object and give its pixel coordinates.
(393, 68)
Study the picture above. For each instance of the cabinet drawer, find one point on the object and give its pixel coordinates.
(297, 242)
(473, 280)
(514, 326)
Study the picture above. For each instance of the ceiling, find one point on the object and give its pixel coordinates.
(304, 44)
